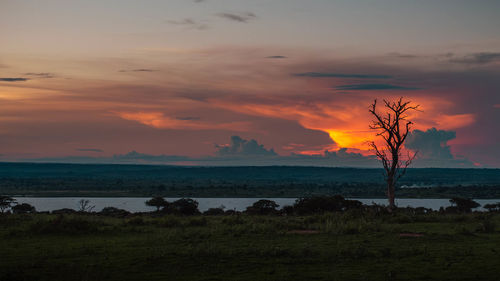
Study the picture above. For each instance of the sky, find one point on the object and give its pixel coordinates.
(238, 82)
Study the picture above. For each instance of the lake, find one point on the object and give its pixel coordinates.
(136, 204)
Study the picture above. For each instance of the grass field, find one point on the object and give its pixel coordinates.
(335, 246)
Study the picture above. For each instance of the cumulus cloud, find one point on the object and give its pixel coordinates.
(238, 17)
(12, 79)
(373, 87)
(431, 143)
(341, 75)
(239, 146)
(433, 149)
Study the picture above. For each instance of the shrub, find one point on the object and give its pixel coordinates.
(184, 206)
(322, 204)
(464, 205)
(23, 208)
(63, 211)
(157, 202)
(114, 212)
(6, 202)
(263, 207)
(492, 207)
(214, 212)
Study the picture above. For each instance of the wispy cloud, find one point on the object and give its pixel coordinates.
(276, 57)
(187, 118)
(341, 75)
(373, 87)
(189, 23)
(402, 56)
(40, 74)
(13, 79)
(138, 70)
(476, 58)
(159, 120)
(238, 17)
(89, 149)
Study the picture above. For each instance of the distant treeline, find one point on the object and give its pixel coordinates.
(174, 181)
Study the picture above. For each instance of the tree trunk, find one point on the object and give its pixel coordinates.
(390, 193)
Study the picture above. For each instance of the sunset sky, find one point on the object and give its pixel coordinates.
(238, 82)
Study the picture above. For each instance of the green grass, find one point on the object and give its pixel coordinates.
(350, 246)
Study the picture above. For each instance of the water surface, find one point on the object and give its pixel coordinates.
(136, 204)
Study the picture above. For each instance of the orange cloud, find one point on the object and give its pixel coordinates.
(158, 120)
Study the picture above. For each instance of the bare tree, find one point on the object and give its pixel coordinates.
(393, 126)
(84, 206)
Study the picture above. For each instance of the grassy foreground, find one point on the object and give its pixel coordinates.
(335, 246)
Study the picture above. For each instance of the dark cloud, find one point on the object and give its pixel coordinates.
(373, 87)
(138, 70)
(89, 149)
(276, 57)
(187, 118)
(238, 17)
(341, 75)
(402, 56)
(476, 58)
(189, 23)
(9, 79)
(431, 143)
(433, 149)
(40, 74)
(136, 157)
(239, 146)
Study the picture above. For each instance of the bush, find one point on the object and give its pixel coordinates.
(6, 202)
(262, 207)
(322, 204)
(464, 205)
(114, 212)
(214, 212)
(492, 207)
(158, 202)
(63, 211)
(187, 207)
(23, 208)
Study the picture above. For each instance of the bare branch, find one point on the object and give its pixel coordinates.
(394, 128)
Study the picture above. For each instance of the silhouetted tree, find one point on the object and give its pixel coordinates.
(393, 126)
(322, 204)
(6, 202)
(183, 206)
(464, 205)
(492, 207)
(23, 208)
(84, 206)
(158, 202)
(263, 207)
(114, 212)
